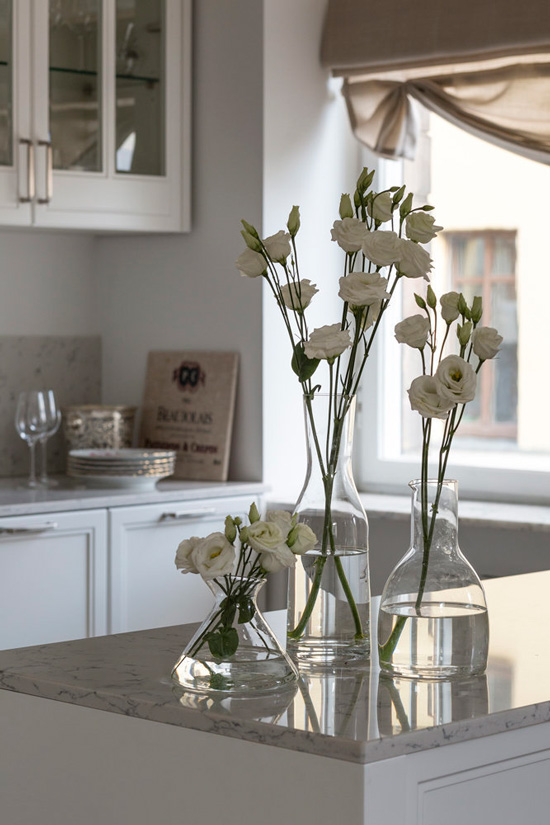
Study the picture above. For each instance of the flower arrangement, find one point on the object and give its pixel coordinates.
(237, 560)
(382, 238)
(443, 390)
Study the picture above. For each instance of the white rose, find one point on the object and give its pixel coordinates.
(361, 289)
(278, 559)
(414, 261)
(380, 208)
(449, 306)
(327, 342)
(302, 539)
(425, 398)
(486, 342)
(184, 560)
(300, 293)
(456, 380)
(348, 234)
(251, 264)
(413, 331)
(214, 556)
(265, 536)
(382, 247)
(282, 518)
(419, 226)
(278, 246)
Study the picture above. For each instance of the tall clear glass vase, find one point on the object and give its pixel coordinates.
(433, 621)
(329, 589)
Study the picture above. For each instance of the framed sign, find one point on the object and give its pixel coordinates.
(188, 406)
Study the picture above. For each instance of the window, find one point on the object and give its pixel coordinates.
(492, 205)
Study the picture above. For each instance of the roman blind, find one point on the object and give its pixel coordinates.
(484, 65)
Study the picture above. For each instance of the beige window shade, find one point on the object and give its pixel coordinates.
(484, 66)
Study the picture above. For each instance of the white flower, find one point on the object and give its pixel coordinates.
(419, 226)
(300, 293)
(348, 234)
(456, 380)
(361, 289)
(282, 518)
(278, 559)
(278, 246)
(413, 331)
(184, 558)
(301, 539)
(251, 264)
(382, 247)
(265, 536)
(414, 261)
(449, 306)
(425, 398)
(371, 315)
(381, 207)
(214, 556)
(486, 342)
(327, 342)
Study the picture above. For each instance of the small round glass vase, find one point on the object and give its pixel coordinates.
(256, 664)
(433, 621)
(329, 588)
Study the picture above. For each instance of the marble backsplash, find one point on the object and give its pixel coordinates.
(69, 365)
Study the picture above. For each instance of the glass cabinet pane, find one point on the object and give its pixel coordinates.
(140, 86)
(6, 61)
(75, 84)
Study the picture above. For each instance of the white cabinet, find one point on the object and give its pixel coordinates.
(146, 590)
(53, 577)
(95, 114)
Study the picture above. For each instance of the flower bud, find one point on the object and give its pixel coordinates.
(250, 229)
(251, 242)
(420, 301)
(462, 305)
(230, 529)
(406, 206)
(253, 514)
(346, 209)
(477, 309)
(463, 333)
(243, 535)
(293, 223)
(430, 297)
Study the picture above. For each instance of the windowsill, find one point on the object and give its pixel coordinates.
(478, 513)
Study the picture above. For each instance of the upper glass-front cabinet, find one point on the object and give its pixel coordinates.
(94, 119)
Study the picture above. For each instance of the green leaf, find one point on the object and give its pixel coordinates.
(223, 643)
(218, 682)
(228, 608)
(246, 609)
(303, 366)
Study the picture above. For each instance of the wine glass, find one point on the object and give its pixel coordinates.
(53, 420)
(31, 423)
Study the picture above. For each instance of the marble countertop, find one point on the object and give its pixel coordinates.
(356, 716)
(18, 500)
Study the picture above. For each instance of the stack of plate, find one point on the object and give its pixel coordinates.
(121, 468)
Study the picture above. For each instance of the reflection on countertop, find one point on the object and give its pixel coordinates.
(354, 715)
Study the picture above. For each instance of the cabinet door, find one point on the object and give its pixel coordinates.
(112, 92)
(146, 589)
(16, 148)
(53, 577)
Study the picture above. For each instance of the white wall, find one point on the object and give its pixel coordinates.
(47, 284)
(183, 291)
(310, 158)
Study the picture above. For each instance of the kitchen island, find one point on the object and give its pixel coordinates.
(93, 731)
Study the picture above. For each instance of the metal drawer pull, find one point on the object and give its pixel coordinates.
(49, 171)
(30, 170)
(27, 531)
(187, 516)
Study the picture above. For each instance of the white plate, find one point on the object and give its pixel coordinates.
(129, 455)
(120, 482)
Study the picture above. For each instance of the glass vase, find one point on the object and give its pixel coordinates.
(329, 589)
(234, 650)
(433, 621)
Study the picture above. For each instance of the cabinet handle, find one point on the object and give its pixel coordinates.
(30, 170)
(49, 171)
(187, 516)
(27, 531)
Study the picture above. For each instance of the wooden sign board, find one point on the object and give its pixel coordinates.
(188, 406)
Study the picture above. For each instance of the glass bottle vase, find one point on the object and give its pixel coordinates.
(234, 650)
(329, 589)
(433, 621)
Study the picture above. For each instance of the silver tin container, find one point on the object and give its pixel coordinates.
(98, 426)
